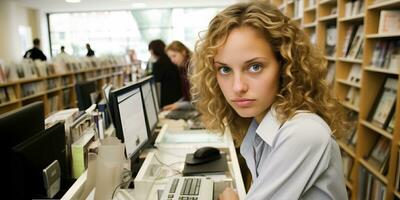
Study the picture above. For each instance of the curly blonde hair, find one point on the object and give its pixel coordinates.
(302, 74)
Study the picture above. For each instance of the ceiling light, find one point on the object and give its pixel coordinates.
(138, 5)
(72, 1)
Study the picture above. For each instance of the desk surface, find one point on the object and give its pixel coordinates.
(172, 146)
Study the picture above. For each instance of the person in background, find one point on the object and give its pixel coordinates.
(90, 51)
(35, 52)
(256, 73)
(166, 73)
(62, 50)
(180, 55)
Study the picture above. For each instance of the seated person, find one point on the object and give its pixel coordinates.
(165, 72)
(180, 55)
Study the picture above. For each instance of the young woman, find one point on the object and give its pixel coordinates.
(257, 74)
(180, 55)
(166, 73)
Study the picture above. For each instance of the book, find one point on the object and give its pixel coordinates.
(356, 43)
(79, 152)
(330, 43)
(391, 124)
(330, 76)
(384, 103)
(394, 59)
(11, 93)
(355, 73)
(389, 21)
(350, 33)
(353, 96)
(379, 153)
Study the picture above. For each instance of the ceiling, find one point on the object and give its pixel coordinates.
(92, 5)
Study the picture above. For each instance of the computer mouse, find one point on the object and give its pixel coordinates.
(204, 155)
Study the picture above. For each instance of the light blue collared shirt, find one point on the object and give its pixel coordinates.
(296, 160)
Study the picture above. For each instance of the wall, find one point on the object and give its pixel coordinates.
(13, 15)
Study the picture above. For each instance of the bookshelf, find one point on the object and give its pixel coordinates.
(358, 43)
(57, 91)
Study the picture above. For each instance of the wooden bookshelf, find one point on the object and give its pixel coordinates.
(317, 17)
(114, 74)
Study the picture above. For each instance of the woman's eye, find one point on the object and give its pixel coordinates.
(255, 68)
(224, 70)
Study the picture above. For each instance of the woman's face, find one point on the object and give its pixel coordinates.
(178, 58)
(247, 72)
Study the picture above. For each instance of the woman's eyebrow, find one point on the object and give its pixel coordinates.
(254, 59)
(220, 63)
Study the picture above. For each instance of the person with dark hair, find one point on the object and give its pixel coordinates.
(90, 51)
(35, 52)
(166, 73)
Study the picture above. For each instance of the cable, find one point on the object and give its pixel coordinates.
(125, 173)
(169, 166)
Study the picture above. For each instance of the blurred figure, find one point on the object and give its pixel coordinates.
(90, 51)
(35, 52)
(180, 55)
(166, 73)
(62, 52)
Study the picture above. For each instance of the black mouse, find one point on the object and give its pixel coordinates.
(203, 155)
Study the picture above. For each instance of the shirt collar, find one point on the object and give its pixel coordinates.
(269, 126)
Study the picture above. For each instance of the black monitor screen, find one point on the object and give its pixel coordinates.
(151, 113)
(86, 94)
(30, 157)
(129, 118)
(21, 124)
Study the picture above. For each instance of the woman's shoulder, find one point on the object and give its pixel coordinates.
(307, 128)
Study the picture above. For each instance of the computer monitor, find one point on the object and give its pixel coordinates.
(21, 124)
(149, 105)
(86, 94)
(129, 119)
(155, 94)
(30, 158)
(106, 89)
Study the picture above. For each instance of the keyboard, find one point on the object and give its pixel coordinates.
(189, 188)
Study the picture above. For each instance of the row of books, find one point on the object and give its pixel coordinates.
(347, 165)
(350, 137)
(382, 113)
(379, 155)
(53, 103)
(353, 42)
(353, 8)
(7, 94)
(370, 188)
(33, 88)
(27, 68)
(386, 55)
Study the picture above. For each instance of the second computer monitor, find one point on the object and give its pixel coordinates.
(86, 94)
(129, 118)
(149, 104)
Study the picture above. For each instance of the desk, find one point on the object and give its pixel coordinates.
(172, 146)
